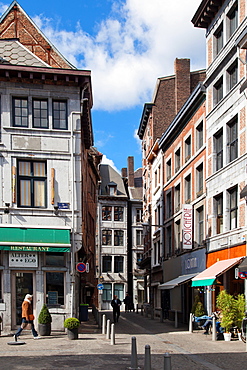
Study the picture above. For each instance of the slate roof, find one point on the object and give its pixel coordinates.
(109, 175)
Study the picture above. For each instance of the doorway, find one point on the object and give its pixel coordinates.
(22, 284)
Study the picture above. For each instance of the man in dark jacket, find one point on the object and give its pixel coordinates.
(116, 303)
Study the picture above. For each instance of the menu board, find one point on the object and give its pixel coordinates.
(52, 298)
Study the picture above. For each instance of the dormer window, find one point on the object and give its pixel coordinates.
(112, 188)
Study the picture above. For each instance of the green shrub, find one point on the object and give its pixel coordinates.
(197, 308)
(71, 323)
(225, 303)
(44, 316)
(239, 303)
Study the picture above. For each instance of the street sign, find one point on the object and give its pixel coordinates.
(100, 286)
(81, 267)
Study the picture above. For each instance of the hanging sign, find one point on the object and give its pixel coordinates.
(187, 226)
(81, 267)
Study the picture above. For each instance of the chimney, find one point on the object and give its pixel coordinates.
(182, 82)
(124, 173)
(131, 180)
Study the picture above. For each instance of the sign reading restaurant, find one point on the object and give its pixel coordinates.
(27, 248)
(187, 226)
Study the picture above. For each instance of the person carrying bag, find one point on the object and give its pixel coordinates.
(27, 317)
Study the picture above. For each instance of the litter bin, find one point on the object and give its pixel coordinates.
(83, 312)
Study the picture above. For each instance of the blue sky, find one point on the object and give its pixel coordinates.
(127, 44)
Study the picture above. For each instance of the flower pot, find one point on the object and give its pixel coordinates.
(227, 337)
(72, 333)
(44, 329)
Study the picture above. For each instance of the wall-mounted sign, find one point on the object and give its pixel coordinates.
(81, 267)
(63, 205)
(23, 259)
(187, 226)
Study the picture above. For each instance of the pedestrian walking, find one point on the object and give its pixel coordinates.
(127, 301)
(27, 317)
(116, 303)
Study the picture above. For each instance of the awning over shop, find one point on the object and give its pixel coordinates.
(208, 276)
(243, 266)
(34, 239)
(182, 279)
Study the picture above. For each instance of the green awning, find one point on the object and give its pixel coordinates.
(204, 282)
(33, 248)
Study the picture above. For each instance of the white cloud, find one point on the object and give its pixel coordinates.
(138, 141)
(108, 161)
(103, 139)
(137, 43)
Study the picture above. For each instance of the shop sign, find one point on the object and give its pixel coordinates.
(187, 226)
(20, 259)
(27, 248)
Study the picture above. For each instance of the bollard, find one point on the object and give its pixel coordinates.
(214, 330)
(147, 361)
(112, 334)
(167, 361)
(191, 323)
(108, 329)
(133, 354)
(103, 324)
(176, 318)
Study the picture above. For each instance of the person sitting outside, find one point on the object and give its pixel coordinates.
(209, 322)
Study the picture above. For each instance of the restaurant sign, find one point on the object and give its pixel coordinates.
(20, 259)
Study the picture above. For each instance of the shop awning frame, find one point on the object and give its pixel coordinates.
(209, 276)
(182, 279)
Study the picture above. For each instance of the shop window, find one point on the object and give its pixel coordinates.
(40, 113)
(119, 291)
(106, 213)
(20, 112)
(106, 237)
(32, 179)
(118, 237)
(55, 288)
(106, 263)
(118, 264)
(60, 121)
(107, 292)
(54, 259)
(118, 213)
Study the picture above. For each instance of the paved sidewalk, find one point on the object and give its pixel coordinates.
(189, 351)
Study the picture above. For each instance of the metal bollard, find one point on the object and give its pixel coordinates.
(147, 361)
(191, 323)
(214, 330)
(167, 361)
(112, 334)
(133, 354)
(108, 329)
(103, 323)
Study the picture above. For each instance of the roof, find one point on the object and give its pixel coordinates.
(136, 192)
(208, 276)
(109, 176)
(13, 52)
(206, 13)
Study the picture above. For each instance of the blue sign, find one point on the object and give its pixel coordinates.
(63, 205)
(100, 286)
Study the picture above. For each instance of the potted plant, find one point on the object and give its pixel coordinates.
(226, 304)
(198, 311)
(72, 324)
(44, 321)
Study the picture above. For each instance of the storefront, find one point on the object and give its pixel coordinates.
(35, 260)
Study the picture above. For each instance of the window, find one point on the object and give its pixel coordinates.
(168, 169)
(178, 235)
(187, 148)
(169, 241)
(40, 113)
(199, 183)
(106, 237)
(219, 213)
(106, 263)
(156, 256)
(118, 264)
(199, 136)
(20, 112)
(200, 225)
(233, 19)
(54, 259)
(233, 139)
(60, 115)
(118, 237)
(118, 213)
(139, 257)
(188, 189)
(232, 75)
(139, 237)
(119, 291)
(169, 205)
(106, 213)
(55, 288)
(177, 198)
(218, 91)
(112, 189)
(139, 215)
(233, 195)
(218, 139)
(177, 160)
(107, 292)
(31, 184)
(219, 39)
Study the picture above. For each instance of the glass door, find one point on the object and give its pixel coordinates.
(23, 284)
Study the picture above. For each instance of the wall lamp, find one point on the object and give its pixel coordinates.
(56, 210)
(6, 210)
